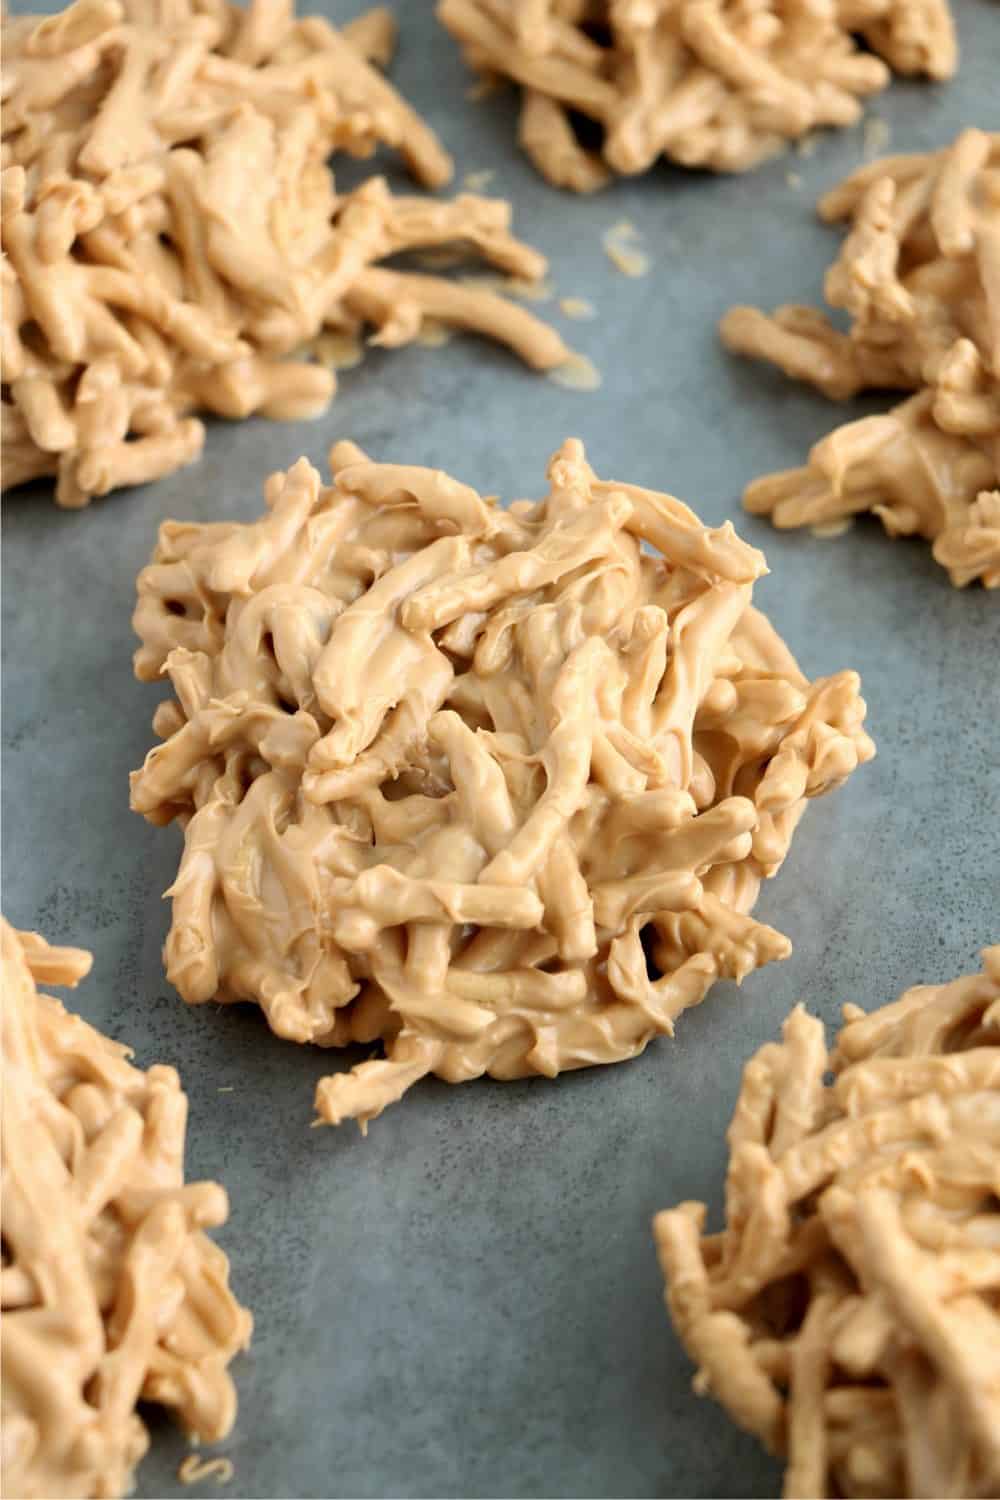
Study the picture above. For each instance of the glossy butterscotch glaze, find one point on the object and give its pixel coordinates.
(919, 275)
(848, 1313)
(721, 84)
(451, 775)
(112, 1293)
(174, 241)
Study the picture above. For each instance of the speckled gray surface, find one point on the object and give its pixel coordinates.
(467, 1302)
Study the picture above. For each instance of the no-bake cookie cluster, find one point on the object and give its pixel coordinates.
(495, 788)
(721, 84)
(849, 1312)
(174, 240)
(112, 1293)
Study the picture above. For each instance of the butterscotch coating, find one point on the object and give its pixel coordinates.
(446, 771)
(720, 84)
(111, 1291)
(849, 1312)
(919, 274)
(174, 241)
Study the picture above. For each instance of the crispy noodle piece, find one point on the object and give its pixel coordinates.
(718, 84)
(919, 275)
(112, 1293)
(849, 1312)
(174, 241)
(446, 771)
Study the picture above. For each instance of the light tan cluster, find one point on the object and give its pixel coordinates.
(111, 1292)
(721, 84)
(452, 775)
(849, 1313)
(919, 275)
(173, 239)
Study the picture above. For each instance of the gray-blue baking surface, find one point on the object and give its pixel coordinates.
(466, 1303)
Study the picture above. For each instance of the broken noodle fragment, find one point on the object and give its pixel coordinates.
(849, 1313)
(448, 773)
(112, 1293)
(174, 241)
(721, 84)
(919, 275)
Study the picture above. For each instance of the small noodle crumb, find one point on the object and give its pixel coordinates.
(832, 528)
(194, 1469)
(621, 249)
(629, 262)
(578, 373)
(478, 182)
(433, 334)
(338, 351)
(876, 135)
(807, 145)
(793, 180)
(577, 307)
(226, 1088)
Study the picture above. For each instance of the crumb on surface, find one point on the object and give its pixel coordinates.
(195, 1470)
(577, 307)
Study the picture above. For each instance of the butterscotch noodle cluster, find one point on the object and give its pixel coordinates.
(173, 238)
(494, 788)
(919, 275)
(721, 84)
(849, 1313)
(112, 1294)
